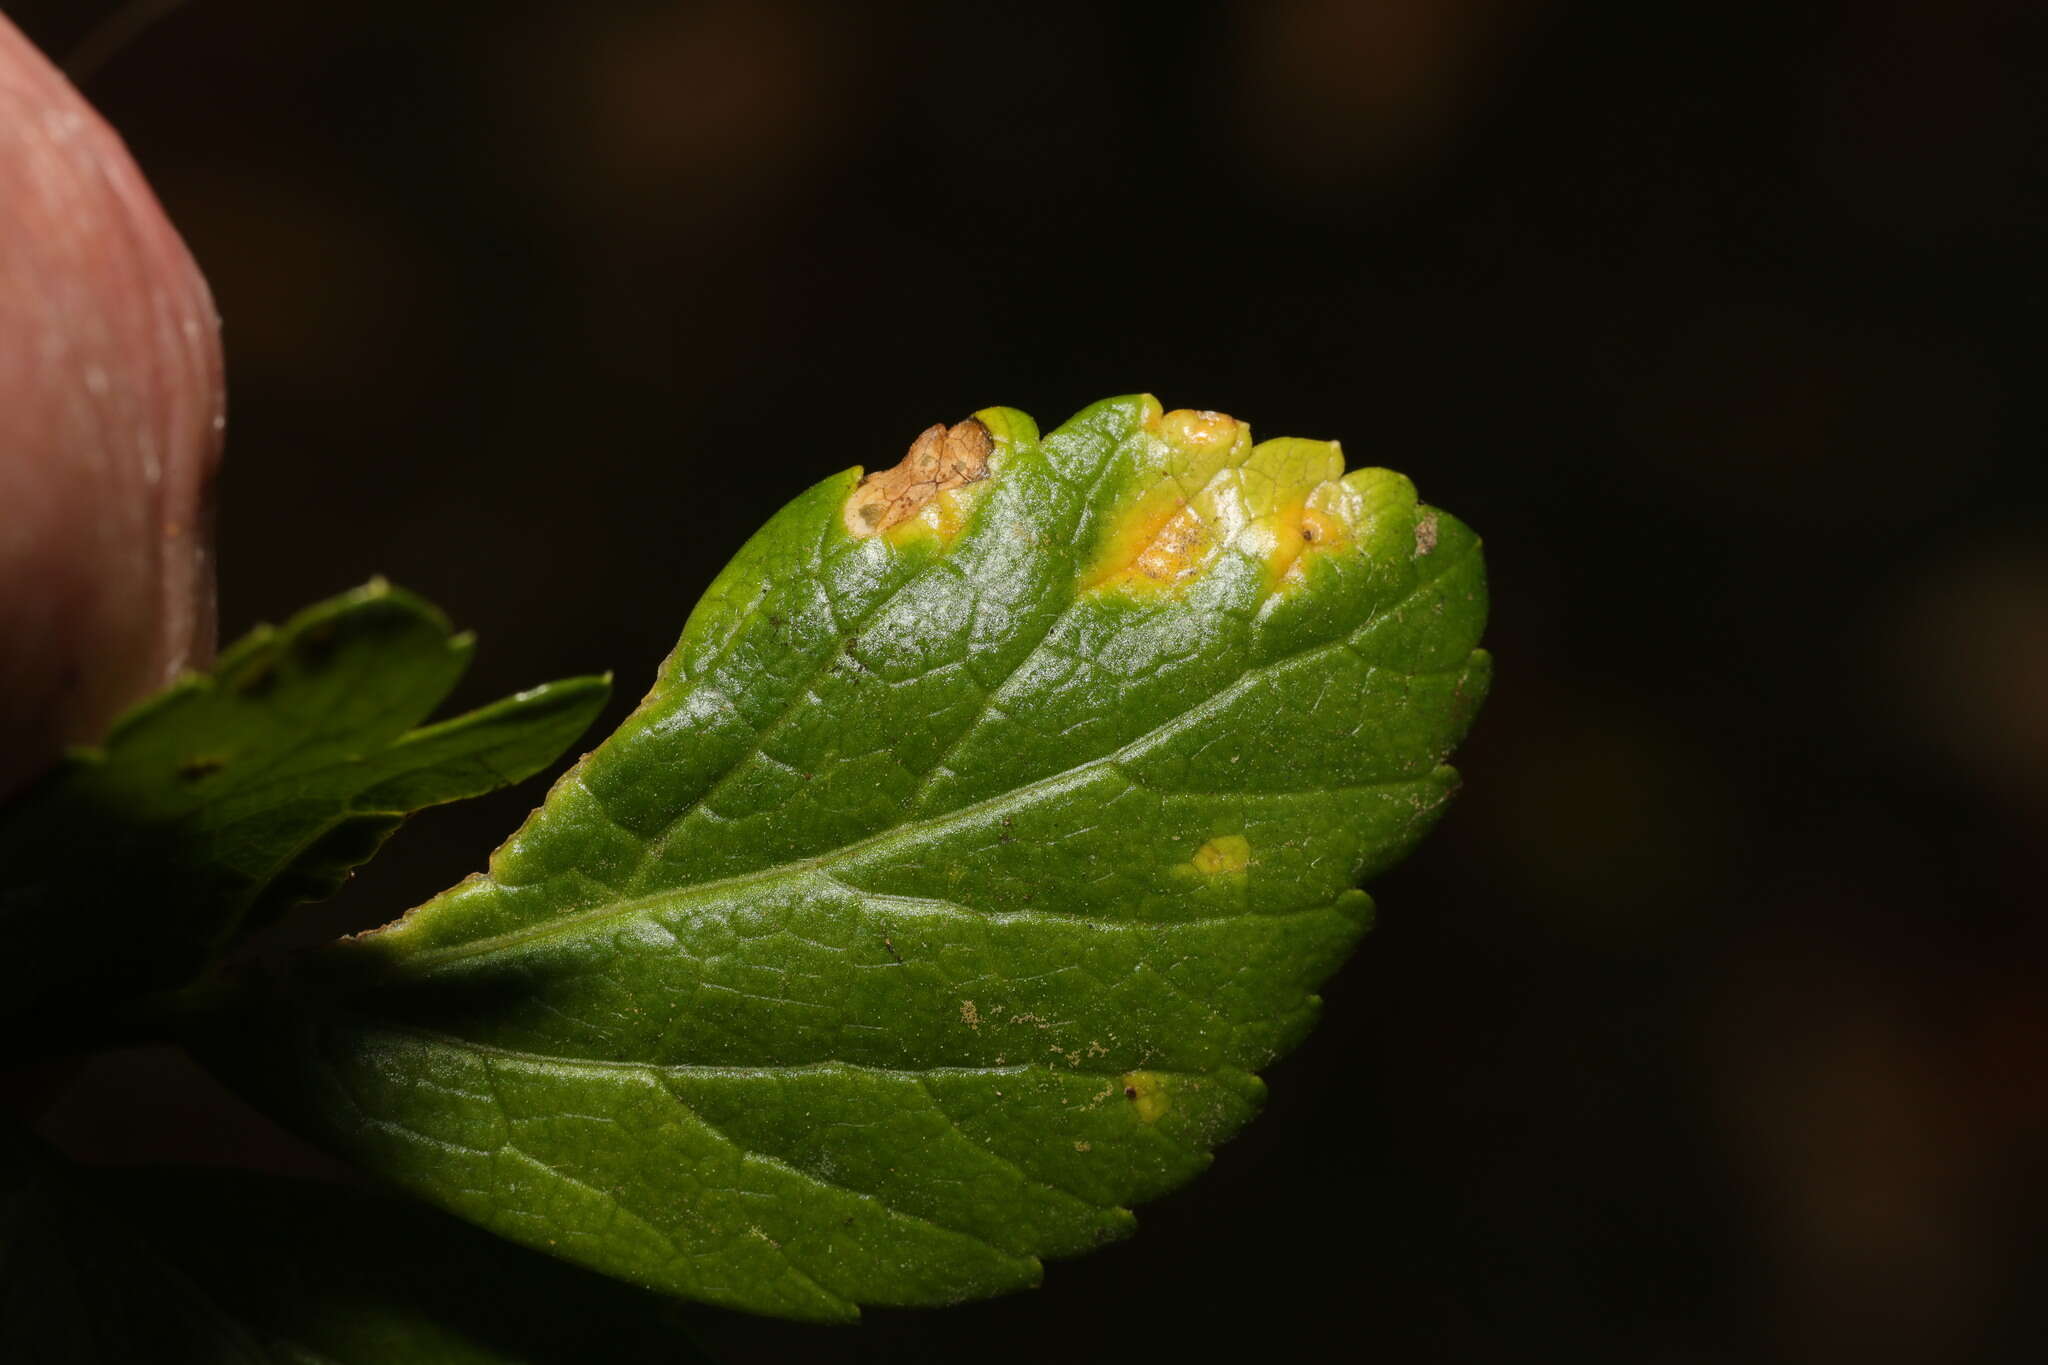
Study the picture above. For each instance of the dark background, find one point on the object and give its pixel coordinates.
(1711, 1024)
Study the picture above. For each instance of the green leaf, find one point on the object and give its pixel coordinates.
(229, 796)
(993, 822)
(206, 1267)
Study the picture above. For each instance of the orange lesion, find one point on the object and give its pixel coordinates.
(1166, 532)
(1200, 487)
(1297, 532)
(1157, 548)
(1199, 429)
(921, 488)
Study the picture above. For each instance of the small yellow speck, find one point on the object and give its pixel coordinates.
(1224, 856)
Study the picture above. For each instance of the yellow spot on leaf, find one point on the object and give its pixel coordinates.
(1200, 488)
(1225, 855)
(1200, 429)
(1293, 533)
(1159, 537)
(1146, 1093)
(969, 1015)
(1156, 551)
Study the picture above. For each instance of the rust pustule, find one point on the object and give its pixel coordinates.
(941, 458)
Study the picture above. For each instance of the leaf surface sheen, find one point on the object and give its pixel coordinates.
(946, 892)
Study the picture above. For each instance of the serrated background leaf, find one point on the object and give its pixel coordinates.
(233, 794)
(947, 891)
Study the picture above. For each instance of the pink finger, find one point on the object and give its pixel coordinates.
(111, 408)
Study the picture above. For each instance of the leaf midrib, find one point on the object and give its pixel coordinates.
(423, 959)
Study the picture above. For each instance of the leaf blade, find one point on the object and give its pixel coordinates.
(949, 886)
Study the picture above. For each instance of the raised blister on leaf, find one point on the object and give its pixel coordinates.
(994, 820)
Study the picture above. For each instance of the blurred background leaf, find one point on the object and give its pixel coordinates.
(217, 804)
(183, 1266)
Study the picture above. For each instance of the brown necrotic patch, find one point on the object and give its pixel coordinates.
(940, 459)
